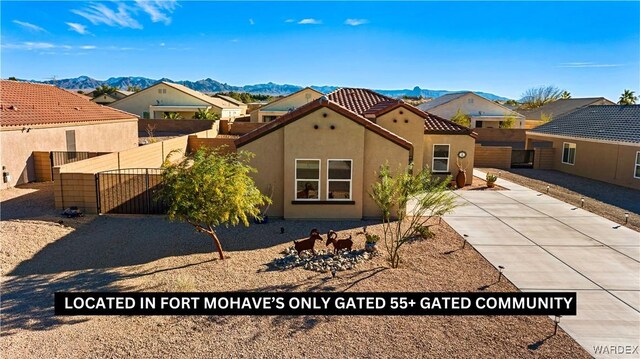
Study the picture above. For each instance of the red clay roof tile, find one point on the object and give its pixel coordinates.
(29, 104)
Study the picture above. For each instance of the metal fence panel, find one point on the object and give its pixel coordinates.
(130, 191)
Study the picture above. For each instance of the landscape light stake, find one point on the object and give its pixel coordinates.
(464, 240)
(547, 189)
(556, 320)
(500, 273)
(582, 202)
(626, 217)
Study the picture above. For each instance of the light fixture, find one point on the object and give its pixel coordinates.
(626, 217)
(556, 320)
(547, 188)
(500, 273)
(582, 202)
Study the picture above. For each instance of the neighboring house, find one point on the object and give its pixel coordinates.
(164, 98)
(320, 160)
(36, 117)
(281, 106)
(243, 106)
(483, 113)
(559, 108)
(106, 99)
(601, 142)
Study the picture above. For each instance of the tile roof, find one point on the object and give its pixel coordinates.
(28, 104)
(442, 100)
(215, 101)
(313, 106)
(370, 104)
(601, 122)
(562, 107)
(231, 99)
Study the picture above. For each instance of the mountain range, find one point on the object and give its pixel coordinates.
(212, 86)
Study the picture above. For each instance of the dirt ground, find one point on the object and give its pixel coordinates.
(604, 199)
(147, 253)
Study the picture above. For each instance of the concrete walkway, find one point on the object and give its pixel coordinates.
(548, 245)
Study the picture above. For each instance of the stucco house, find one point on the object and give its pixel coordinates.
(164, 98)
(558, 108)
(106, 99)
(600, 142)
(37, 117)
(483, 113)
(243, 106)
(284, 105)
(320, 160)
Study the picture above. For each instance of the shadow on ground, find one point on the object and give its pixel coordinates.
(37, 201)
(625, 198)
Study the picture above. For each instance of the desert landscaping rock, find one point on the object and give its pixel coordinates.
(322, 261)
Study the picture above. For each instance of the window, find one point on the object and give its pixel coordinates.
(268, 118)
(440, 158)
(636, 174)
(469, 100)
(569, 153)
(307, 179)
(479, 124)
(71, 144)
(162, 91)
(339, 180)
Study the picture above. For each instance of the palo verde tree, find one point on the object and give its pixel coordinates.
(461, 118)
(408, 202)
(208, 189)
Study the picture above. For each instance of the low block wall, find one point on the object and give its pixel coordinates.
(241, 128)
(227, 145)
(179, 126)
(543, 158)
(75, 184)
(501, 134)
(493, 156)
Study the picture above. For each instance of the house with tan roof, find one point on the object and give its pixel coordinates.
(559, 108)
(108, 98)
(320, 159)
(482, 112)
(43, 118)
(164, 98)
(243, 106)
(284, 105)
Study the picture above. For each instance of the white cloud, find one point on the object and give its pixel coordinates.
(356, 22)
(586, 64)
(29, 26)
(251, 22)
(162, 44)
(159, 10)
(29, 46)
(79, 28)
(88, 47)
(310, 21)
(289, 20)
(100, 14)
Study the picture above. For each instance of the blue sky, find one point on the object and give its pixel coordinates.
(588, 48)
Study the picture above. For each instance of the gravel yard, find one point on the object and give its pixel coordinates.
(604, 199)
(148, 253)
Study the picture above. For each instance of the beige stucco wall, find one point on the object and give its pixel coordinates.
(139, 102)
(456, 144)
(284, 105)
(277, 151)
(17, 146)
(487, 107)
(409, 126)
(607, 162)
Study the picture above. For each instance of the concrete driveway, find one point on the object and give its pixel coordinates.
(548, 245)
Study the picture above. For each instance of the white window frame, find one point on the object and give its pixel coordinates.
(295, 175)
(434, 158)
(635, 168)
(575, 152)
(350, 180)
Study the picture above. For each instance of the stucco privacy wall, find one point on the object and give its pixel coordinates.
(599, 160)
(178, 126)
(17, 146)
(42, 166)
(74, 183)
(501, 134)
(277, 151)
(456, 144)
(161, 95)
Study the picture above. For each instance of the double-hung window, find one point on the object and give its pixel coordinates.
(339, 174)
(636, 173)
(440, 158)
(307, 179)
(569, 153)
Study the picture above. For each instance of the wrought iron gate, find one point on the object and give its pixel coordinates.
(130, 191)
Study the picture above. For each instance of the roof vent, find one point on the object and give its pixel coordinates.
(324, 99)
(77, 108)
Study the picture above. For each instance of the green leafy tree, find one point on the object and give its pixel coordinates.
(206, 114)
(209, 189)
(545, 117)
(628, 97)
(509, 121)
(461, 118)
(172, 116)
(408, 201)
(539, 96)
(511, 102)
(12, 78)
(104, 89)
(565, 95)
(133, 88)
